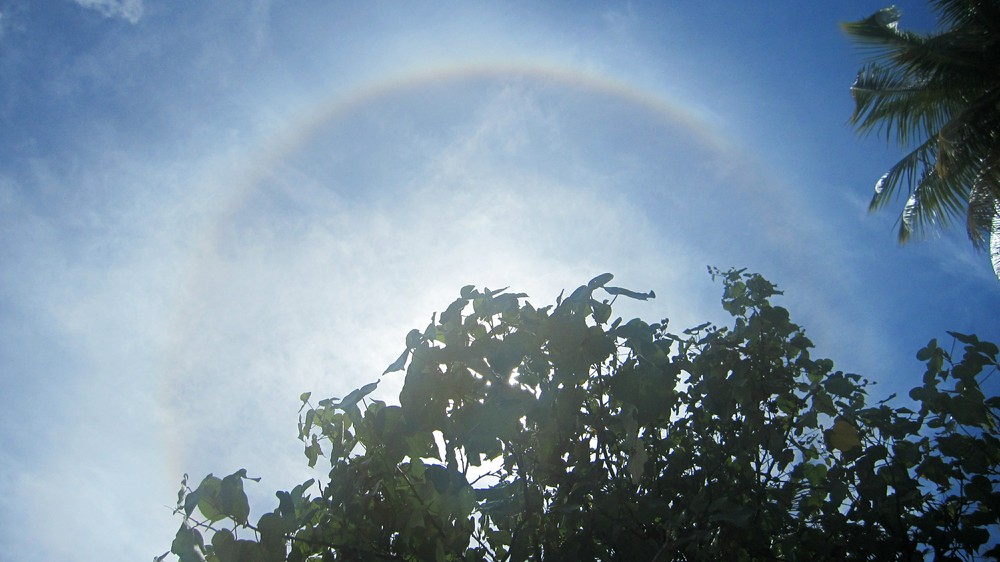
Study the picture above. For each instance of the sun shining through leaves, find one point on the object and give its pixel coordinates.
(559, 433)
(208, 209)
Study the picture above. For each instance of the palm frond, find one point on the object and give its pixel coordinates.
(995, 245)
(982, 211)
(955, 53)
(902, 108)
(984, 202)
(879, 33)
(939, 93)
(920, 212)
(908, 219)
(933, 203)
(909, 171)
(965, 13)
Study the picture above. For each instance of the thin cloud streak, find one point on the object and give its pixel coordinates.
(455, 227)
(208, 229)
(317, 294)
(129, 10)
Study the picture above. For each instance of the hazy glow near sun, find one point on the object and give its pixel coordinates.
(210, 208)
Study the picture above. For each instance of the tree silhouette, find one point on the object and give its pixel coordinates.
(557, 433)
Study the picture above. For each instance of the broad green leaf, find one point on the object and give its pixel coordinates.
(728, 512)
(979, 488)
(399, 364)
(414, 338)
(190, 502)
(439, 476)
(355, 396)
(417, 468)
(839, 385)
(935, 470)
(188, 544)
(224, 545)
(697, 329)
(629, 293)
(906, 452)
(495, 292)
(824, 404)
(815, 473)
(209, 503)
(602, 312)
(232, 500)
(430, 332)
(273, 530)
(969, 411)
(600, 280)
(313, 451)
(228, 549)
(307, 424)
(973, 537)
(965, 338)
(927, 352)
(581, 294)
(635, 329)
(843, 436)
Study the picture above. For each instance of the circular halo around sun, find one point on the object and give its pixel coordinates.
(376, 205)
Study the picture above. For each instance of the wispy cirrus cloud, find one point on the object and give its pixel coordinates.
(130, 10)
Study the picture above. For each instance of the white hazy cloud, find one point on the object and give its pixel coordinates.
(198, 318)
(324, 289)
(257, 20)
(163, 302)
(130, 10)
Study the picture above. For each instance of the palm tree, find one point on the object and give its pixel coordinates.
(939, 96)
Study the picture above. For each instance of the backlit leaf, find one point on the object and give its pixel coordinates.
(355, 396)
(600, 280)
(399, 364)
(843, 435)
(630, 293)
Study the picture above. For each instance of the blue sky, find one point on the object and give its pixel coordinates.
(209, 208)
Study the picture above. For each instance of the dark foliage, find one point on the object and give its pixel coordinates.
(557, 433)
(939, 97)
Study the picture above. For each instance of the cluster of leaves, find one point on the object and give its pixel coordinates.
(556, 433)
(936, 95)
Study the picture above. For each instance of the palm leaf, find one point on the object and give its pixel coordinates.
(909, 171)
(932, 204)
(984, 204)
(995, 245)
(879, 33)
(963, 14)
(887, 101)
(956, 52)
(940, 94)
(979, 222)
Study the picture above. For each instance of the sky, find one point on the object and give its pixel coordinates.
(209, 208)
